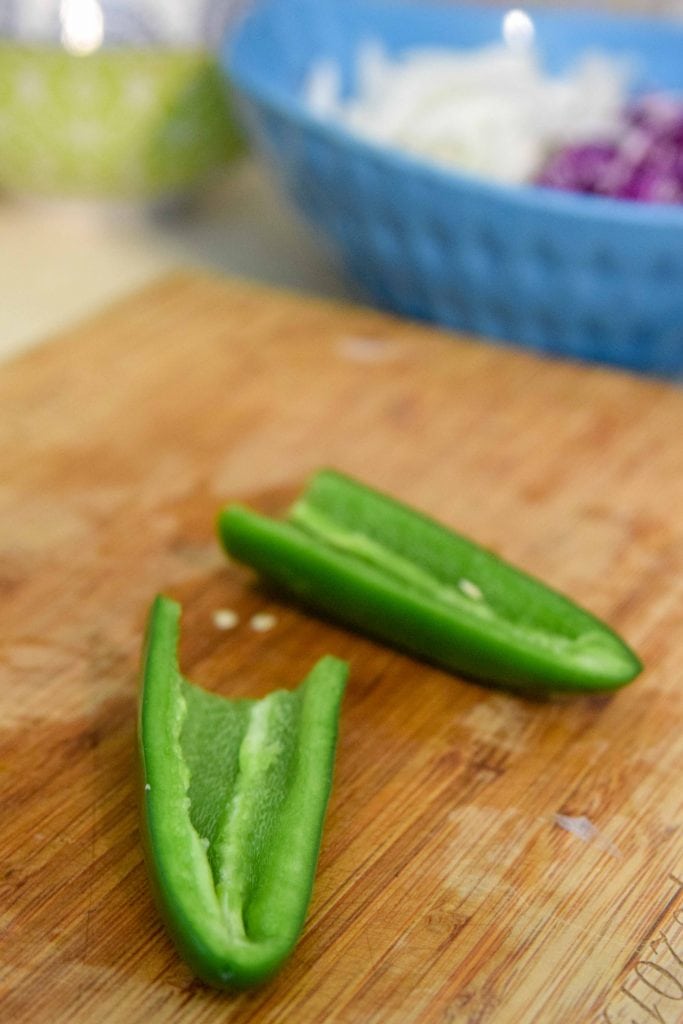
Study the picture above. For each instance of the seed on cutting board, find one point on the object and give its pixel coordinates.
(262, 622)
(225, 618)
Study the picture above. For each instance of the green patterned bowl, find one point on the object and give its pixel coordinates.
(143, 123)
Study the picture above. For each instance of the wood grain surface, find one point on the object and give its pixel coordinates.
(487, 859)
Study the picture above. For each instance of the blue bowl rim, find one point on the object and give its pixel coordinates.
(590, 208)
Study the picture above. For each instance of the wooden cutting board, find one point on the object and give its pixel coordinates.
(487, 859)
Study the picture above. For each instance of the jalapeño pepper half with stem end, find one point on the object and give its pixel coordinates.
(235, 793)
(379, 566)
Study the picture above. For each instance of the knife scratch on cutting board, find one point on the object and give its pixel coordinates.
(652, 988)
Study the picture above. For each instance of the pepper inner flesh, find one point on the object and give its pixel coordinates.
(240, 756)
(438, 564)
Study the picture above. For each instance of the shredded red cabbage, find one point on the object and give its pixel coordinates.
(644, 163)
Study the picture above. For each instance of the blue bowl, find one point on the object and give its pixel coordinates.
(581, 276)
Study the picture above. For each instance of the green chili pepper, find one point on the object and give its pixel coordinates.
(377, 565)
(235, 793)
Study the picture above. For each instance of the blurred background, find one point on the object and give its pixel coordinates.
(121, 158)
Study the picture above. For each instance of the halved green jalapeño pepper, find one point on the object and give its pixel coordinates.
(369, 561)
(235, 793)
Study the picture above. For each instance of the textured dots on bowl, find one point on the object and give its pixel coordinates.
(593, 335)
(398, 285)
(364, 180)
(628, 347)
(485, 255)
(492, 247)
(548, 255)
(666, 348)
(496, 320)
(604, 262)
(466, 258)
(344, 225)
(318, 158)
(426, 255)
(389, 234)
(550, 330)
(666, 268)
(462, 310)
(529, 275)
(387, 241)
(441, 234)
(455, 309)
(425, 268)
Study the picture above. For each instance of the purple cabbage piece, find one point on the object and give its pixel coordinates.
(645, 163)
(579, 167)
(650, 184)
(660, 115)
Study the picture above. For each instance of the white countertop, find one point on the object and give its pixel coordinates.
(62, 261)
